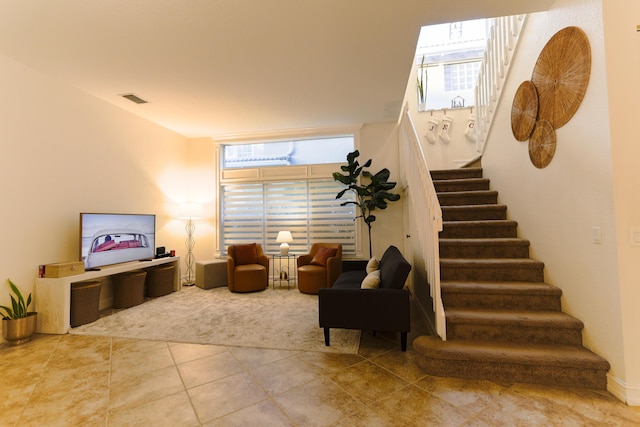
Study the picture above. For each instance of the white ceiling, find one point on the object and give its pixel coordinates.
(229, 67)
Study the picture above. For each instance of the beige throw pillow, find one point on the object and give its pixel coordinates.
(372, 265)
(372, 281)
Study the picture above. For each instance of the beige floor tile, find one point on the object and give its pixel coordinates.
(590, 404)
(412, 405)
(140, 389)
(187, 352)
(284, 374)
(253, 357)
(169, 411)
(471, 396)
(225, 396)
(371, 346)
(263, 414)
(210, 368)
(318, 403)
(623, 415)
(330, 362)
(130, 358)
(367, 381)
(70, 397)
(402, 363)
(75, 353)
(510, 408)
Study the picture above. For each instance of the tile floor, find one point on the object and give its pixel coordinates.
(71, 380)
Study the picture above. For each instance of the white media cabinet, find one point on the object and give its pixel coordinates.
(53, 296)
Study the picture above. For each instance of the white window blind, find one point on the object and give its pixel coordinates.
(255, 212)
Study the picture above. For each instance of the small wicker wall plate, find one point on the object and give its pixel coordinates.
(542, 145)
(524, 110)
(561, 75)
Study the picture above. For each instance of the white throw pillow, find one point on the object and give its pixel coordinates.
(372, 281)
(372, 265)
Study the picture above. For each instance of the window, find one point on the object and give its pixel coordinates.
(461, 76)
(255, 212)
(285, 153)
(452, 55)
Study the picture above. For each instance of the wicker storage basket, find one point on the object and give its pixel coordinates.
(160, 281)
(128, 289)
(85, 302)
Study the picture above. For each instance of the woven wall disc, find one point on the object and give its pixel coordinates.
(524, 110)
(561, 75)
(542, 145)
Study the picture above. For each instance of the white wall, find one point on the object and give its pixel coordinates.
(379, 142)
(622, 47)
(557, 207)
(64, 152)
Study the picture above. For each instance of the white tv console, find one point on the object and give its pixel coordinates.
(53, 295)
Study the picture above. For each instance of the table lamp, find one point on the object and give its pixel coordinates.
(284, 238)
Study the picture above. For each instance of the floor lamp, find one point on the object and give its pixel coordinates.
(190, 211)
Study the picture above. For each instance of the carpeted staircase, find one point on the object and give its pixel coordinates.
(503, 322)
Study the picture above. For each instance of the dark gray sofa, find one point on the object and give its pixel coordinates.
(347, 306)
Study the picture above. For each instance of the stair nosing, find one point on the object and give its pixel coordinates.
(482, 316)
(497, 351)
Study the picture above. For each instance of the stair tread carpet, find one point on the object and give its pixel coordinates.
(556, 319)
(498, 351)
(508, 288)
(484, 241)
(483, 262)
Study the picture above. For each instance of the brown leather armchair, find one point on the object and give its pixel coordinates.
(247, 268)
(320, 267)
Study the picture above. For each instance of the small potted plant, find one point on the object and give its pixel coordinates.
(18, 324)
(422, 86)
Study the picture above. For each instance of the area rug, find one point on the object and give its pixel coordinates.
(275, 319)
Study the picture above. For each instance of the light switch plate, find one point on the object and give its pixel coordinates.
(596, 235)
(634, 236)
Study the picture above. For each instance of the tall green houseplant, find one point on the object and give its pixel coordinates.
(372, 191)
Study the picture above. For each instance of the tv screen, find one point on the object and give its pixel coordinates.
(108, 238)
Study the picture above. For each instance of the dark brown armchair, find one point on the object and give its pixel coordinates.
(247, 268)
(320, 267)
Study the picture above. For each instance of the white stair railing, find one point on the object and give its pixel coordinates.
(426, 208)
(501, 45)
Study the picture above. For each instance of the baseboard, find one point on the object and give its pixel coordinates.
(626, 393)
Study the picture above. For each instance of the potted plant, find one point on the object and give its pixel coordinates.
(18, 324)
(371, 192)
(422, 87)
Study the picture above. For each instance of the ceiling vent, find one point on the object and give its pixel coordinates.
(133, 98)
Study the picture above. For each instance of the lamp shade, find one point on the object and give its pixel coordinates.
(284, 238)
(190, 210)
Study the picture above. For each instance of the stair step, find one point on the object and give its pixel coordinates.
(457, 198)
(484, 248)
(551, 365)
(469, 184)
(492, 269)
(479, 229)
(460, 173)
(474, 212)
(541, 327)
(508, 295)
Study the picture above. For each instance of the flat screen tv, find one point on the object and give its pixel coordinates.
(109, 238)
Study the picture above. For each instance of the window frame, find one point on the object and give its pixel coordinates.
(279, 173)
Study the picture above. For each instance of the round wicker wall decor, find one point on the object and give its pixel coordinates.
(561, 75)
(524, 111)
(542, 145)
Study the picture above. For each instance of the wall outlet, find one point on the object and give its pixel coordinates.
(596, 235)
(634, 236)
